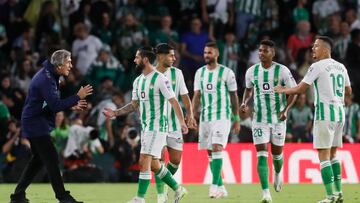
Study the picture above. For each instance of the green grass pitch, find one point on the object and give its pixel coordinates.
(120, 193)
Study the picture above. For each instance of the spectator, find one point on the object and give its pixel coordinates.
(105, 31)
(300, 13)
(82, 141)
(104, 124)
(85, 48)
(23, 78)
(82, 15)
(353, 60)
(105, 65)
(155, 10)
(218, 15)
(352, 19)
(300, 120)
(246, 12)
(321, 9)
(4, 119)
(342, 43)
(25, 41)
(17, 151)
(302, 38)
(192, 48)
(129, 36)
(129, 6)
(126, 152)
(60, 133)
(351, 129)
(165, 34)
(303, 61)
(47, 23)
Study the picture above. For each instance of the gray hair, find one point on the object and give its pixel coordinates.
(59, 56)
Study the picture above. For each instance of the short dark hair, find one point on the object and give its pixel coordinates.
(147, 52)
(212, 45)
(163, 48)
(268, 42)
(327, 40)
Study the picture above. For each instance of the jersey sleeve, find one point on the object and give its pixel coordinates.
(134, 93)
(197, 85)
(165, 87)
(182, 86)
(231, 81)
(288, 78)
(248, 79)
(347, 80)
(312, 74)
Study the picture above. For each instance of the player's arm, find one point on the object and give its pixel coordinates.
(179, 114)
(189, 111)
(246, 98)
(130, 107)
(196, 102)
(298, 89)
(235, 111)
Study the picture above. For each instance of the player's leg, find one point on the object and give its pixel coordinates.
(335, 164)
(162, 197)
(323, 138)
(277, 143)
(175, 147)
(219, 137)
(261, 137)
(152, 144)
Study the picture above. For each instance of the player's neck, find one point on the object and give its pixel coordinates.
(212, 66)
(266, 64)
(161, 68)
(148, 69)
(327, 56)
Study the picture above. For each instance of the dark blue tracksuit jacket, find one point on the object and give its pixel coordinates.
(43, 102)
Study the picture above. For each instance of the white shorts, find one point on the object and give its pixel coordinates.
(152, 143)
(175, 140)
(214, 132)
(264, 133)
(327, 134)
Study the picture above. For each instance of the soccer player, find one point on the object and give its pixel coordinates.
(331, 82)
(270, 111)
(174, 141)
(215, 85)
(150, 91)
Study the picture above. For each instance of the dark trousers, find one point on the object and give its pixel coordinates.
(43, 154)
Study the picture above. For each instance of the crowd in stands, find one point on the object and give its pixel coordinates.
(103, 36)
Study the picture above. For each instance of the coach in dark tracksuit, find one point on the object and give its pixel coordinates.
(37, 120)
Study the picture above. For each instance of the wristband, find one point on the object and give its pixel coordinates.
(235, 118)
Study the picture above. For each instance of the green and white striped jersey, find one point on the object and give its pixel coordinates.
(151, 91)
(249, 6)
(176, 78)
(352, 114)
(267, 103)
(329, 78)
(214, 86)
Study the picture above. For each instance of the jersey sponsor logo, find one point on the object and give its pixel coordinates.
(142, 94)
(209, 87)
(266, 86)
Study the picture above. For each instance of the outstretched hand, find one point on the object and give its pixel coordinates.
(85, 91)
(109, 113)
(80, 106)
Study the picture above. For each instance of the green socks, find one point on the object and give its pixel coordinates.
(327, 176)
(216, 166)
(165, 175)
(172, 168)
(336, 167)
(262, 168)
(278, 162)
(143, 184)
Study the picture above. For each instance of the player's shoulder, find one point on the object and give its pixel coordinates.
(282, 66)
(177, 70)
(251, 68)
(199, 70)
